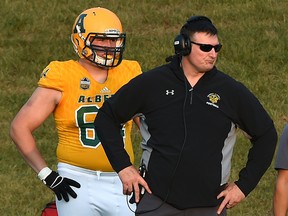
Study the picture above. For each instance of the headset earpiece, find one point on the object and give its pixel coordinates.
(182, 45)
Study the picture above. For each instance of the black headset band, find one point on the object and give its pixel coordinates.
(198, 18)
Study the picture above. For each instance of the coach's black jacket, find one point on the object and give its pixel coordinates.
(190, 133)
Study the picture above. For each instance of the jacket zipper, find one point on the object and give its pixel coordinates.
(191, 95)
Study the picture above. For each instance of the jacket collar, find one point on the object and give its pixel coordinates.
(175, 66)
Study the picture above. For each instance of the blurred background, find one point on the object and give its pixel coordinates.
(33, 33)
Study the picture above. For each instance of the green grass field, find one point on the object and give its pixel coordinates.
(253, 34)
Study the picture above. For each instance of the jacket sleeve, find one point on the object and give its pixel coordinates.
(255, 121)
(115, 111)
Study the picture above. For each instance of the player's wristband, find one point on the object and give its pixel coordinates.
(44, 173)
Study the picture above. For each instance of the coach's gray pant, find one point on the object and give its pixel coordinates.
(151, 205)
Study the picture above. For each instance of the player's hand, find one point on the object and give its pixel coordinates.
(131, 180)
(61, 185)
(232, 196)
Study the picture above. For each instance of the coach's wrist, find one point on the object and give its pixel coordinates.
(44, 173)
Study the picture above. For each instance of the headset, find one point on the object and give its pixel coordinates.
(182, 43)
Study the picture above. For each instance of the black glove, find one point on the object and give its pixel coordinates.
(61, 186)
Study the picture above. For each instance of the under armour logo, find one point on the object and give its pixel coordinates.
(169, 92)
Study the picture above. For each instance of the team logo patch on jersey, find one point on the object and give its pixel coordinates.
(213, 99)
(85, 83)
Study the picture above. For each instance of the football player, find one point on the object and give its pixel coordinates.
(73, 91)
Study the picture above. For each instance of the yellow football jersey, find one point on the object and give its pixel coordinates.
(81, 98)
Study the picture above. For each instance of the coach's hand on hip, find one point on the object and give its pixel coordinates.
(232, 196)
(131, 180)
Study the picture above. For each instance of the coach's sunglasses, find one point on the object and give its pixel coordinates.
(208, 47)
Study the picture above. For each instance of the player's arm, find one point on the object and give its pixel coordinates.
(280, 201)
(37, 109)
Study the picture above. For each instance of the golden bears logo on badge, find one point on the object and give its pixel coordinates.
(85, 83)
(213, 99)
